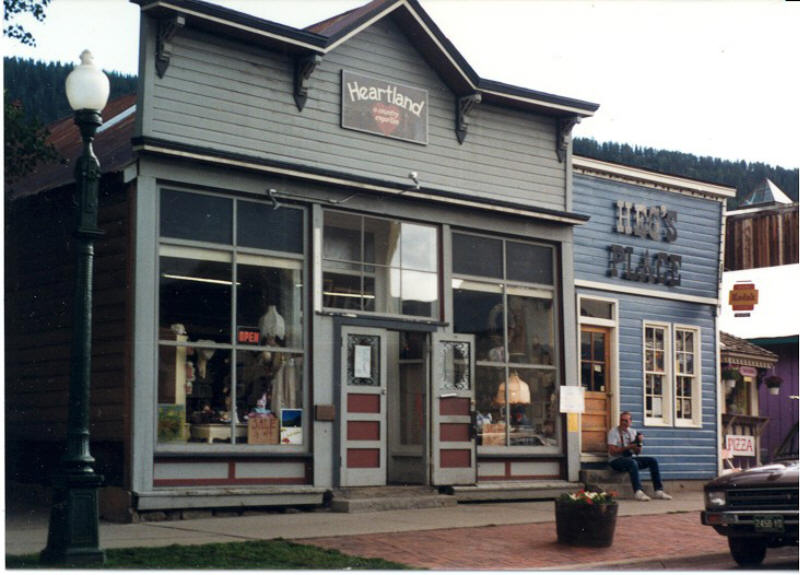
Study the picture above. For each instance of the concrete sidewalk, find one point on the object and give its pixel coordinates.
(26, 531)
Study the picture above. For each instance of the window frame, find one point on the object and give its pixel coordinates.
(696, 421)
(238, 255)
(667, 408)
(507, 287)
(363, 273)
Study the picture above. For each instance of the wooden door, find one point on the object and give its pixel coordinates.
(363, 407)
(596, 381)
(453, 389)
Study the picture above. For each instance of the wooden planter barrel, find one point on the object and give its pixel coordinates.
(586, 525)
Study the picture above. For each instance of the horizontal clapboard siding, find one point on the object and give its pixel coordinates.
(697, 243)
(39, 315)
(227, 97)
(683, 453)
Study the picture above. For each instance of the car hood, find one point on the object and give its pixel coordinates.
(780, 473)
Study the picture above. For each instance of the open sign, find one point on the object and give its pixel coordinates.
(741, 444)
(249, 335)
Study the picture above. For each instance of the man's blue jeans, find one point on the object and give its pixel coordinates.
(633, 464)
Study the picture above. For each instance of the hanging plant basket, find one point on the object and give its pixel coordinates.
(586, 524)
(774, 384)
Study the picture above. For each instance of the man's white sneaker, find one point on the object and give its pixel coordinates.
(661, 495)
(642, 496)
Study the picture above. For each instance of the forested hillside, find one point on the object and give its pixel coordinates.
(39, 86)
(740, 175)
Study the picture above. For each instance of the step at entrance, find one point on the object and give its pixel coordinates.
(513, 490)
(363, 499)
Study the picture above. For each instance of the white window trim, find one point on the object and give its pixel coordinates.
(697, 385)
(668, 387)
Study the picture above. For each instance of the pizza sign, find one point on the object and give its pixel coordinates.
(741, 445)
(384, 108)
(743, 296)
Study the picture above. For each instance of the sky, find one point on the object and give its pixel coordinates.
(711, 78)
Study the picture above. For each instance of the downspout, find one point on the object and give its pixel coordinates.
(720, 391)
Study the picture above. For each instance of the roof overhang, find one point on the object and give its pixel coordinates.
(322, 38)
(664, 181)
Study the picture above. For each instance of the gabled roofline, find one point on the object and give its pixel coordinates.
(459, 74)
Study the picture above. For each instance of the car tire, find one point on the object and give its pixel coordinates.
(747, 551)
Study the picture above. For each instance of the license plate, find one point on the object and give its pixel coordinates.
(773, 523)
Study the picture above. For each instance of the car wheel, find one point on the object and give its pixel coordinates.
(747, 551)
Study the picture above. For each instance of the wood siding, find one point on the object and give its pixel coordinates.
(39, 292)
(762, 239)
(226, 97)
(698, 226)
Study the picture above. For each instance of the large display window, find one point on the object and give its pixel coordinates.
(504, 294)
(380, 265)
(230, 322)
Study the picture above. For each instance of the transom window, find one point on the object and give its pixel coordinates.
(380, 265)
(230, 329)
(504, 294)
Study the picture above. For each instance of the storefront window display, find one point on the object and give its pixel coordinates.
(380, 265)
(503, 294)
(230, 321)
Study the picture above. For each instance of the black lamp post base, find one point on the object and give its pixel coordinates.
(74, 538)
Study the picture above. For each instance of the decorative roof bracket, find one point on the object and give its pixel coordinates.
(464, 106)
(166, 30)
(304, 66)
(564, 138)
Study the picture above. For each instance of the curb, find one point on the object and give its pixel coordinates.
(641, 564)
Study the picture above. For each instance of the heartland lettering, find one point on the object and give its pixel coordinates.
(390, 95)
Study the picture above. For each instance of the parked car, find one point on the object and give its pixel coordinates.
(757, 508)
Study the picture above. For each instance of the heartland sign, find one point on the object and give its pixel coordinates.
(384, 108)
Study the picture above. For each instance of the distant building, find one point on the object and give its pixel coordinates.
(761, 256)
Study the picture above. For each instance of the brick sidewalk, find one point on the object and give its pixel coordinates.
(533, 545)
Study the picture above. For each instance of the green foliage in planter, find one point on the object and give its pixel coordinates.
(584, 497)
(731, 373)
(773, 381)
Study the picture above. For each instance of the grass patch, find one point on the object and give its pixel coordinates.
(271, 554)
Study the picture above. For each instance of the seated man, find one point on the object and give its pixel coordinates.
(624, 447)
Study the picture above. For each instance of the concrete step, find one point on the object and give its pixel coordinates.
(389, 498)
(513, 490)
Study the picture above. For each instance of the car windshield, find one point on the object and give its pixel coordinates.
(788, 449)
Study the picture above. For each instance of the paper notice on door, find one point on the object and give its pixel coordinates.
(571, 399)
(362, 361)
(572, 422)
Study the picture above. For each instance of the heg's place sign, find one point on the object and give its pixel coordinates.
(384, 108)
(646, 222)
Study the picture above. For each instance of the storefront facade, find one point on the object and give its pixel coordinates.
(353, 262)
(647, 276)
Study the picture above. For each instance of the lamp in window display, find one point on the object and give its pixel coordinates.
(74, 534)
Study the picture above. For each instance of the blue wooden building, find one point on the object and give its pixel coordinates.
(647, 273)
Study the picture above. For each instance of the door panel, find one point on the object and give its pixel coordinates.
(453, 389)
(596, 381)
(363, 407)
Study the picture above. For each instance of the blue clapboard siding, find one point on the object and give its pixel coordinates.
(698, 225)
(229, 97)
(682, 452)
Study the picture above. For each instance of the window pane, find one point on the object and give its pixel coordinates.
(532, 420)
(478, 256)
(595, 308)
(261, 226)
(342, 237)
(363, 360)
(419, 247)
(420, 293)
(480, 313)
(492, 426)
(342, 291)
(586, 375)
(382, 239)
(196, 217)
(197, 295)
(586, 345)
(599, 347)
(529, 263)
(269, 299)
(206, 415)
(530, 330)
(599, 377)
(266, 383)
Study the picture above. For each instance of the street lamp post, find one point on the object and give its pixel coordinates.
(73, 537)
